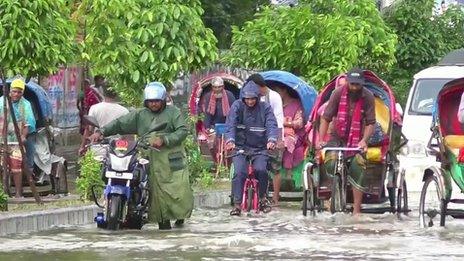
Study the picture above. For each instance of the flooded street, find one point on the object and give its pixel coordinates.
(282, 234)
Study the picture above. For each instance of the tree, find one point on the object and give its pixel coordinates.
(221, 15)
(133, 42)
(422, 39)
(36, 36)
(316, 39)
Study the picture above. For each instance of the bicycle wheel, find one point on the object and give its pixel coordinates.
(336, 198)
(309, 199)
(249, 201)
(431, 206)
(402, 199)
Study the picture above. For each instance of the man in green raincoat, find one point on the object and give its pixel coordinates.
(171, 196)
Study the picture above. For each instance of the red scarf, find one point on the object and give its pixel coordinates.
(225, 104)
(354, 135)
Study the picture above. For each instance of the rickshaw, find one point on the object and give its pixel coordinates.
(307, 96)
(49, 169)
(203, 86)
(447, 144)
(387, 184)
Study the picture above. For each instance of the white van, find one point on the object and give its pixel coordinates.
(417, 118)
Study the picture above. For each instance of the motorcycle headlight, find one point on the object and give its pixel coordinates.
(414, 149)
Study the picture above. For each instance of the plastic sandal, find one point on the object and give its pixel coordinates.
(235, 212)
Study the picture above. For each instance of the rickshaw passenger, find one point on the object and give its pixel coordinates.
(171, 197)
(294, 135)
(216, 104)
(352, 109)
(26, 123)
(251, 125)
(461, 110)
(273, 98)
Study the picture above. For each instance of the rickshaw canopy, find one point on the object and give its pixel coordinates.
(446, 108)
(306, 92)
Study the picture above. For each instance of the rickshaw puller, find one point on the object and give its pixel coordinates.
(351, 109)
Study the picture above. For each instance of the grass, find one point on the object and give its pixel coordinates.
(219, 184)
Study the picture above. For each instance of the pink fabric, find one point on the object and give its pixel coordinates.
(293, 138)
(354, 135)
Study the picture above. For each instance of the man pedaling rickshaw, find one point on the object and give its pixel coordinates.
(352, 113)
(251, 126)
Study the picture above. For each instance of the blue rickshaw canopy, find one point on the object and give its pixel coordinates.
(306, 92)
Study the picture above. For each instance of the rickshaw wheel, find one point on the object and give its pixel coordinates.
(402, 206)
(337, 201)
(309, 198)
(427, 214)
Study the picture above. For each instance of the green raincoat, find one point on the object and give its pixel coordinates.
(171, 194)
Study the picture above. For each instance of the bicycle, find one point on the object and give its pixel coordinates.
(339, 179)
(250, 196)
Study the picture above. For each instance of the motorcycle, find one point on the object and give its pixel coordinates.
(126, 192)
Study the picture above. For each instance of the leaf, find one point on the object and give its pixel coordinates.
(136, 76)
(144, 57)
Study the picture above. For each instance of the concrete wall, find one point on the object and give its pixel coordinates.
(15, 223)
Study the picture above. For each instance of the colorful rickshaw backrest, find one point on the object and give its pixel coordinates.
(39, 100)
(306, 92)
(198, 87)
(374, 84)
(448, 101)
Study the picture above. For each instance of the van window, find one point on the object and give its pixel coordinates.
(425, 94)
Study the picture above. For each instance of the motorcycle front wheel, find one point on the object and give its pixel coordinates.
(114, 212)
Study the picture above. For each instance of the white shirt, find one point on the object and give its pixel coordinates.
(461, 110)
(106, 112)
(277, 107)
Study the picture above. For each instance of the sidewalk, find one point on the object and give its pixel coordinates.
(40, 220)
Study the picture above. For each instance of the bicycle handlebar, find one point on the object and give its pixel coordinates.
(249, 154)
(323, 150)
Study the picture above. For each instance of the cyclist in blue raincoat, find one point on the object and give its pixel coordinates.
(252, 126)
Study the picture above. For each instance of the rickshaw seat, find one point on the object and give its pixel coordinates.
(382, 114)
(454, 141)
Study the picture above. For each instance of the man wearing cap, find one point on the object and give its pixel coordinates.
(351, 109)
(26, 123)
(216, 104)
(251, 126)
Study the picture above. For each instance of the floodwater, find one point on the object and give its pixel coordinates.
(211, 234)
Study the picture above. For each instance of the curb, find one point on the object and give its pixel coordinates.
(35, 221)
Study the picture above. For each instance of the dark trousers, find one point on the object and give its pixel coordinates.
(241, 172)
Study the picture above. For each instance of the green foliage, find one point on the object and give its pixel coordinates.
(133, 42)
(90, 175)
(36, 36)
(221, 15)
(317, 39)
(3, 199)
(199, 168)
(422, 39)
